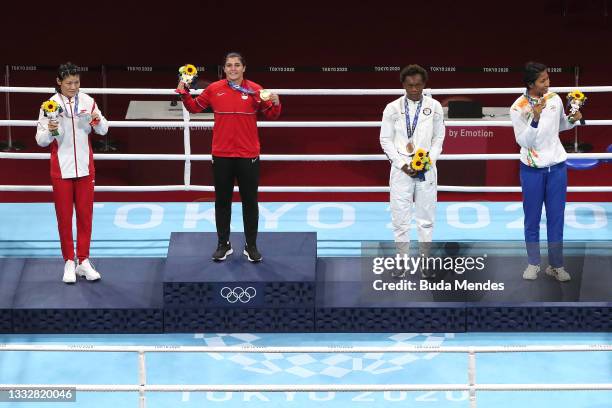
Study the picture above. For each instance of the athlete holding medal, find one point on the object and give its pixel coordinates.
(410, 123)
(236, 103)
(537, 118)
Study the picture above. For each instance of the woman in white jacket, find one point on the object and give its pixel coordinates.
(538, 117)
(72, 167)
(409, 123)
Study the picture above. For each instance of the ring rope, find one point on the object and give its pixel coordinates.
(169, 124)
(324, 91)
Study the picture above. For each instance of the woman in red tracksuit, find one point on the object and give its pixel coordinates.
(72, 167)
(236, 102)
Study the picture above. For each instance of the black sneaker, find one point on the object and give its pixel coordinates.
(252, 253)
(223, 250)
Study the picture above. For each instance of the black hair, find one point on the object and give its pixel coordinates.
(234, 54)
(413, 69)
(67, 69)
(64, 71)
(532, 71)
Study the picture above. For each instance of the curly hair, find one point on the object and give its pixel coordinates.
(413, 69)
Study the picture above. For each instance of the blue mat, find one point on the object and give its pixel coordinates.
(143, 229)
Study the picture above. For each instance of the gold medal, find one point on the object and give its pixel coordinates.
(409, 147)
(265, 95)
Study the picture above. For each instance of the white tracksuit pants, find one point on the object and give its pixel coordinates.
(410, 196)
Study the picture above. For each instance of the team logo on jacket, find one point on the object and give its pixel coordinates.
(426, 111)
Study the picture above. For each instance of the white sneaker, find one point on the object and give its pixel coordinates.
(87, 270)
(69, 272)
(531, 272)
(559, 274)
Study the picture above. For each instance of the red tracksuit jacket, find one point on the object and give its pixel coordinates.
(235, 130)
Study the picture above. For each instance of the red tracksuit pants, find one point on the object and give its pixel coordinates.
(68, 194)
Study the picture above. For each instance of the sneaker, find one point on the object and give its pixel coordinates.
(559, 273)
(223, 250)
(69, 272)
(86, 270)
(531, 272)
(252, 253)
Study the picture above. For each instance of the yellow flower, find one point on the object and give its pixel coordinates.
(417, 163)
(420, 153)
(576, 94)
(188, 69)
(49, 106)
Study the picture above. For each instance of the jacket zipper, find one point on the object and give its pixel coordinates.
(76, 167)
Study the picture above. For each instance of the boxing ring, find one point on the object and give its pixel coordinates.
(472, 386)
(471, 389)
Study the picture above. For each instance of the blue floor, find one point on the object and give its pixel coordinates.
(143, 229)
(383, 368)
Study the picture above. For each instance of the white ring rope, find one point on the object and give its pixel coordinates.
(327, 91)
(308, 349)
(187, 124)
(302, 189)
(312, 387)
(472, 387)
(296, 189)
(288, 124)
(294, 157)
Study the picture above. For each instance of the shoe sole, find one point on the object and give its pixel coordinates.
(554, 275)
(71, 282)
(231, 251)
(82, 275)
(530, 278)
(249, 258)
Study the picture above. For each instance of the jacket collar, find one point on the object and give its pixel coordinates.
(402, 102)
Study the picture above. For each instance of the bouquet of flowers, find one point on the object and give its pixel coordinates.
(575, 101)
(420, 163)
(187, 73)
(52, 110)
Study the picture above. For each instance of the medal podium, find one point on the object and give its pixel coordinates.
(293, 290)
(236, 295)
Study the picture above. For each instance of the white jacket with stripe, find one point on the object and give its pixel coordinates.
(71, 153)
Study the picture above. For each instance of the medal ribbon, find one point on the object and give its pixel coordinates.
(410, 129)
(240, 88)
(76, 105)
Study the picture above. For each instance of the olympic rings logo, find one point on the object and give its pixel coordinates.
(244, 295)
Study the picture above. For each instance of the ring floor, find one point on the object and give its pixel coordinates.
(143, 229)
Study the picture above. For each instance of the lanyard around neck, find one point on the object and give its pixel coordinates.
(411, 128)
(240, 88)
(76, 104)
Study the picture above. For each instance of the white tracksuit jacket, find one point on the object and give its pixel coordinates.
(408, 192)
(71, 154)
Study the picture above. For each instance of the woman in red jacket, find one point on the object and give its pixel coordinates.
(72, 167)
(236, 102)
